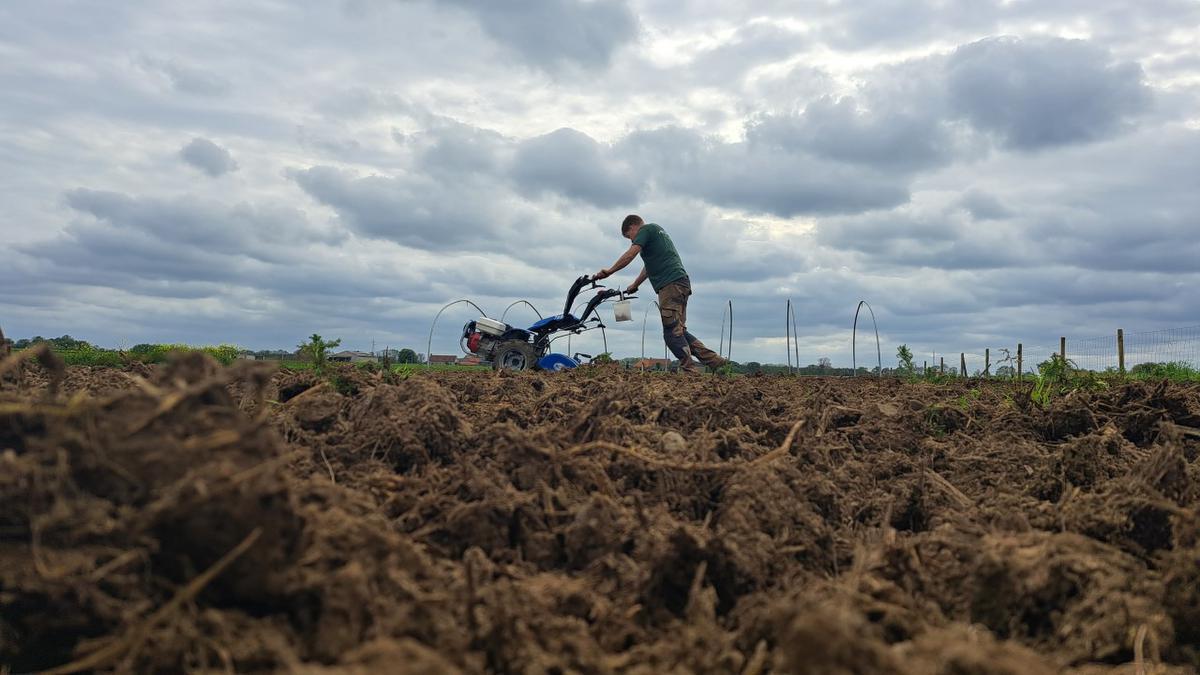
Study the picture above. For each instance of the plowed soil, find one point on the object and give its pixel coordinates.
(194, 517)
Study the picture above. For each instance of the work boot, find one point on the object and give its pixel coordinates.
(688, 366)
(716, 365)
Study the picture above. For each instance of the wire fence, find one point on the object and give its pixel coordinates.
(1173, 345)
(1128, 350)
(1094, 353)
(1120, 351)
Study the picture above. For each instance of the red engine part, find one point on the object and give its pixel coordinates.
(473, 341)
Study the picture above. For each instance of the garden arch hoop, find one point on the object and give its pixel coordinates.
(429, 343)
(792, 339)
(727, 311)
(518, 302)
(854, 340)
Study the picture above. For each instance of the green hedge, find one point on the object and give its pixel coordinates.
(145, 353)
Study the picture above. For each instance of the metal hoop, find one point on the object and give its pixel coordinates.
(518, 302)
(854, 340)
(792, 339)
(727, 311)
(429, 344)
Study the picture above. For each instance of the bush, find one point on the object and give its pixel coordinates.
(316, 351)
(1178, 371)
(159, 353)
(904, 357)
(92, 356)
(226, 354)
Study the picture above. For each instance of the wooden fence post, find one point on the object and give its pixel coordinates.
(943, 367)
(1019, 363)
(924, 368)
(1121, 350)
(1062, 349)
(987, 361)
(962, 363)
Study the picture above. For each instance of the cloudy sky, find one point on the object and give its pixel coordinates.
(983, 172)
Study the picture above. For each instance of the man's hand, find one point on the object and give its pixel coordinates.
(631, 290)
(602, 274)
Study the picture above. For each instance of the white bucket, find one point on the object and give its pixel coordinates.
(622, 311)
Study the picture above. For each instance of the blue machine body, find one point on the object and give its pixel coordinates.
(556, 319)
(557, 362)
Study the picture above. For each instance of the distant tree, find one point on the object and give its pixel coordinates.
(26, 343)
(316, 350)
(824, 363)
(1006, 371)
(67, 343)
(904, 356)
(407, 355)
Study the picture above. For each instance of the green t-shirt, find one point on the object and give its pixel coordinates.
(658, 254)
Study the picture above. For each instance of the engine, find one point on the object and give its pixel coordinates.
(482, 336)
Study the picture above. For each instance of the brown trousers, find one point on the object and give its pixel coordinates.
(672, 307)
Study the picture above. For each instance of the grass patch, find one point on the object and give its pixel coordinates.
(1176, 371)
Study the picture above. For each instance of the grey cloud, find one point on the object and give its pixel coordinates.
(873, 25)
(412, 210)
(243, 229)
(1096, 213)
(186, 78)
(209, 157)
(870, 24)
(107, 256)
(752, 45)
(760, 177)
(1068, 211)
(451, 148)
(781, 93)
(1036, 93)
(190, 249)
(983, 206)
(839, 130)
(905, 238)
(1118, 241)
(551, 33)
(786, 185)
(355, 102)
(572, 164)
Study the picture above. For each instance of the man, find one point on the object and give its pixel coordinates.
(668, 278)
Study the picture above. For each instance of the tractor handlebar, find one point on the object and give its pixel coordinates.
(604, 294)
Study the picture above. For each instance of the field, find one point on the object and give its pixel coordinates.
(194, 516)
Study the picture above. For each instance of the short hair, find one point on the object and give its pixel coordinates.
(631, 220)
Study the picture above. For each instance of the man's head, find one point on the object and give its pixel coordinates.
(630, 226)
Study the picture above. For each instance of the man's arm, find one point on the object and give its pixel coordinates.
(637, 282)
(626, 258)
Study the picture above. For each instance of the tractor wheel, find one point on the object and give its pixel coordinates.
(514, 355)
